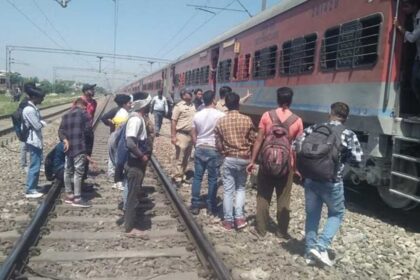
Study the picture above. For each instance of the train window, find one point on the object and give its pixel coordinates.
(235, 68)
(204, 75)
(298, 55)
(352, 44)
(265, 63)
(188, 77)
(197, 76)
(176, 80)
(224, 70)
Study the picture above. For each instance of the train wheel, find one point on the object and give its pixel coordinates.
(402, 185)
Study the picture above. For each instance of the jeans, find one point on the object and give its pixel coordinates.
(316, 194)
(234, 178)
(415, 79)
(34, 167)
(74, 169)
(158, 120)
(23, 155)
(210, 159)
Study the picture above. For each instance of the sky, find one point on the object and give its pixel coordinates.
(150, 28)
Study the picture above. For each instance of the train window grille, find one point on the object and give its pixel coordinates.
(223, 71)
(265, 63)
(196, 79)
(188, 77)
(298, 55)
(351, 45)
(204, 75)
(176, 80)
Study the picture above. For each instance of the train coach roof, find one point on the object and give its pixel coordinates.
(282, 7)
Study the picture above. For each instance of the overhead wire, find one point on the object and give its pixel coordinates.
(198, 28)
(58, 32)
(34, 24)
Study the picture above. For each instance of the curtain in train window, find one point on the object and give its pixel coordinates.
(223, 72)
(265, 63)
(351, 45)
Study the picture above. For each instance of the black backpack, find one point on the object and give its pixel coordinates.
(49, 165)
(318, 156)
(21, 130)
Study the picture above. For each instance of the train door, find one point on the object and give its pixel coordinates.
(409, 105)
(214, 61)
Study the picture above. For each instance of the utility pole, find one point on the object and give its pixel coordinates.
(151, 65)
(100, 60)
(263, 5)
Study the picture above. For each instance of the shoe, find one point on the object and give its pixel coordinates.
(42, 169)
(120, 221)
(81, 203)
(240, 223)
(256, 233)
(120, 186)
(321, 256)
(282, 235)
(309, 260)
(195, 211)
(69, 199)
(33, 194)
(227, 225)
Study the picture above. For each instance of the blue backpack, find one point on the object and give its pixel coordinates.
(121, 144)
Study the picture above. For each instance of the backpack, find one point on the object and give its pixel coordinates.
(120, 143)
(49, 165)
(318, 156)
(275, 151)
(21, 130)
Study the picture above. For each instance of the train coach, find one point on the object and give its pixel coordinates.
(327, 51)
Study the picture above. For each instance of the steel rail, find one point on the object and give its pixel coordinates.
(206, 250)
(41, 109)
(16, 260)
(10, 129)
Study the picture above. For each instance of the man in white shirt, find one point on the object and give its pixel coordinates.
(159, 109)
(206, 154)
(135, 167)
(412, 7)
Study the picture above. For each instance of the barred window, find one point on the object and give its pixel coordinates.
(204, 75)
(176, 80)
(143, 87)
(298, 55)
(265, 63)
(224, 70)
(188, 78)
(351, 45)
(196, 76)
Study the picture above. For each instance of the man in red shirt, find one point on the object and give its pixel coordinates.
(266, 183)
(88, 94)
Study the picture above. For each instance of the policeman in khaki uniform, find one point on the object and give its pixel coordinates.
(182, 116)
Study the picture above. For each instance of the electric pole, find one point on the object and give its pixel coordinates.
(100, 60)
(263, 5)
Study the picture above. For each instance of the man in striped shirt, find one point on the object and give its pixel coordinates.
(235, 135)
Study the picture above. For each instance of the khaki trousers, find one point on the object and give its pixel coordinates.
(183, 148)
(265, 188)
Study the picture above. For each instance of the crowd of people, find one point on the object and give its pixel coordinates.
(227, 144)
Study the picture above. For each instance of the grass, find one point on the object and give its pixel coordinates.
(8, 107)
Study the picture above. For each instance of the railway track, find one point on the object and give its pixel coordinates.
(48, 113)
(63, 242)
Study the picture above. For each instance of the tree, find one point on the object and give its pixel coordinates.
(16, 78)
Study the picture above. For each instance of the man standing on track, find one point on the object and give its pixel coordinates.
(182, 116)
(135, 168)
(331, 192)
(34, 143)
(235, 135)
(206, 155)
(266, 183)
(159, 110)
(74, 131)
